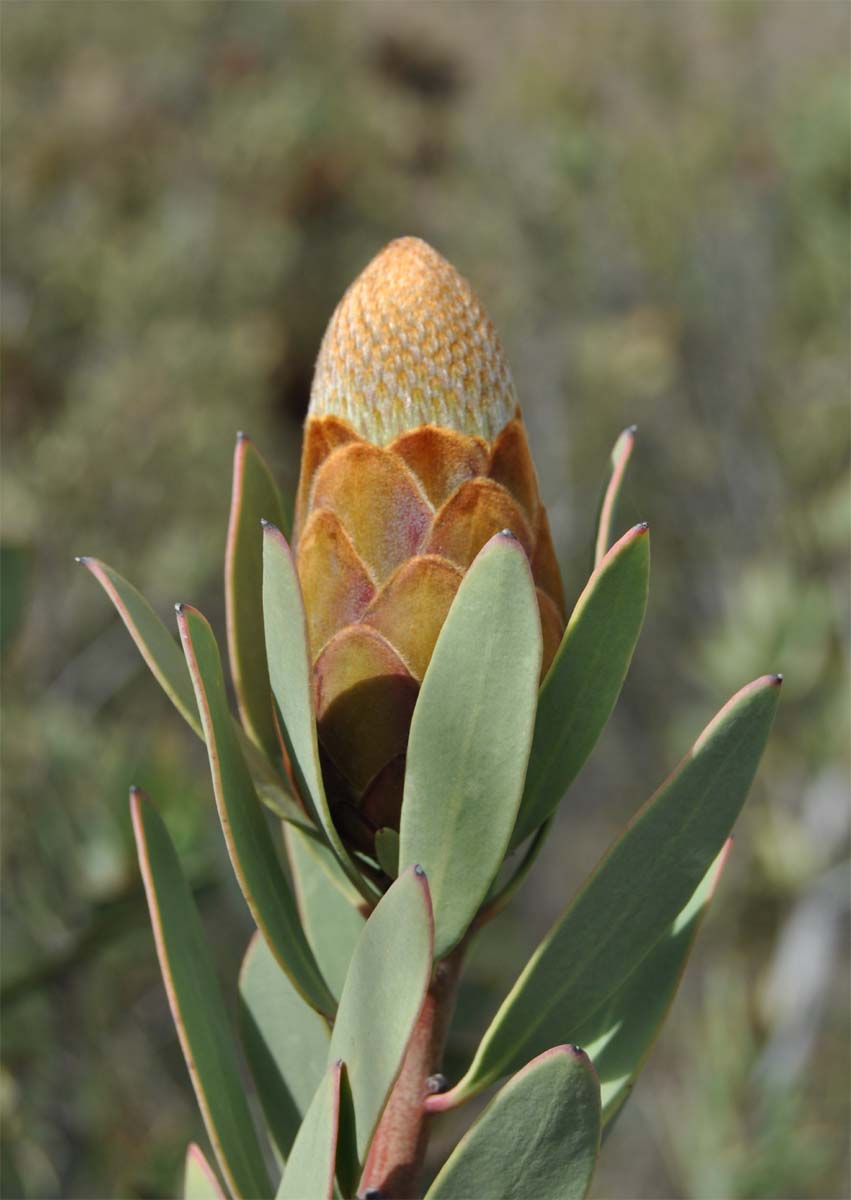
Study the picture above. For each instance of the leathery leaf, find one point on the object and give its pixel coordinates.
(162, 655)
(539, 1136)
(290, 673)
(249, 842)
(586, 676)
(621, 1033)
(197, 1006)
(630, 900)
(382, 997)
(254, 497)
(470, 737)
(309, 1173)
(285, 1043)
(199, 1178)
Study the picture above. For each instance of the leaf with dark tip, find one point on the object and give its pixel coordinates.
(254, 497)
(621, 1033)
(285, 1042)
(539, 1137)
(470, 737)
(199, 1179)
(586, 676)
(330, 917)
(249, 842)
(382, 997)
(197, 1006)
(153, 641)
(309, 1173)
(618, 461)
(162, 654)
(291, 676)
(632, 897)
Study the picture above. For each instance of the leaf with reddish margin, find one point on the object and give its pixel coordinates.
(629, 901)
(584, 681)
(197, 1006)
(309, 1174)
(332, 919)
(621, 1034)
(249, 842)
(539, 1136)
(168, 666)
(382, 998)
(618, 461)
(255, 497)
(200, 1181)
(291, 676)
(470, 736)
(285, 1043)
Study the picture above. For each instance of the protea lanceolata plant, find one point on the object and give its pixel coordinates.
(414, 702)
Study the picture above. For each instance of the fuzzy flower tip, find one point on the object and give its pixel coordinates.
(411, 345)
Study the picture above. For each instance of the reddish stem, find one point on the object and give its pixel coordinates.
(398, 1149)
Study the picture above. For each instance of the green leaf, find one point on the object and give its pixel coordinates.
(247, 835)
(290, 672)
(199, 1178)
(634, 894)
(255, 497)
(539, 1137)
(586, 676)
(153, 641)
(470, 737)
(197, 1006)
(329, 915)
(285, 1042)
(168, 666)
(381, 1001)
(387, 851)
(618, 461)
(309, 1174)
(620, 1035)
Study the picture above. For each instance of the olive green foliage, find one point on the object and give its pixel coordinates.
(654, 199)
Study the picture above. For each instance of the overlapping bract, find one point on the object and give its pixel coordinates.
(386, 526)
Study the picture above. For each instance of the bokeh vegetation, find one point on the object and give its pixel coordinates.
(652, 201)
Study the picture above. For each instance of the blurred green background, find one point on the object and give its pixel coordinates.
(652, 200)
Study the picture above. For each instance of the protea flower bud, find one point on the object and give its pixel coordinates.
(415, 454)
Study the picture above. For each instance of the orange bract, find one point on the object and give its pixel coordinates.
(415, 454)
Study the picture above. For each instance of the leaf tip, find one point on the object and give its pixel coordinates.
(418, 870)
(179, 607)
(82, 558)
(776, 680)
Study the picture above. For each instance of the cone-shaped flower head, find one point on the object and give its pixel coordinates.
(415, 454)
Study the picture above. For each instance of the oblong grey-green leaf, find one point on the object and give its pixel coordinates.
(382, 997)
(197, 1006)
(249, 842)
(470, 737)
(285, 1043)
(254, 497)
(620, 1035)
(199, 1178)
(331, 919)
(153, 641)
(309, 1173)
(585, 678)
(539, 1137)
(632, 897)
(162, 654)
(618, 461)
(290, 673)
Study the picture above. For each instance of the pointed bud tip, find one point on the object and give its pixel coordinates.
(418, 870)
(81, 558)
(436, 1084)
(178, 608)
(778, 680)
(408, 345)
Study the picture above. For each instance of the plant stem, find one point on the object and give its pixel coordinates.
(398, 1149)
